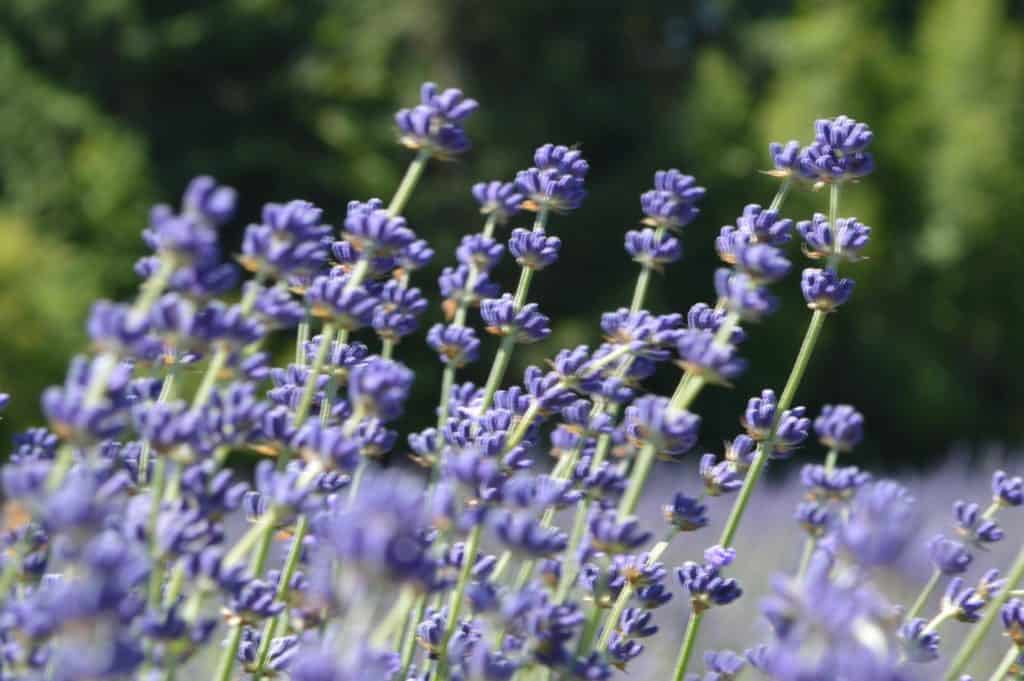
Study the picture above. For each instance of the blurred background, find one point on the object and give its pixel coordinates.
(107, 106)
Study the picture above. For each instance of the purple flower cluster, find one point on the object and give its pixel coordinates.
(130, 549)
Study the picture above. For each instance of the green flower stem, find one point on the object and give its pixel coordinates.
(979, 630)
(625, 593)
(686, 650)
(508, 343)
(1004, 666)
(13, 565)
(65, 459)
(387, 348)
(227, 658)
(760, 460)
(589, 631)
(831, 459)
(780, 194)
(166, 390)
(409, 641)
(455, 604)
(579, 527)
(922, 598)
(309, 389)
(409, 181)
(301, 336)
(497, 373)
(283, 589)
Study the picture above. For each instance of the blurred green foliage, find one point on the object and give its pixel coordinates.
(109, 105)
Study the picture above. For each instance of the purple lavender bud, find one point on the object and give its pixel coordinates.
(433, 125)
(686, 514)
(652, 251)
(703, 317)
(591, 668)
(638, 569)
(547, 388)
(653, 596)
(672, 432)
(207, 201)
(741, 295)
(716, 362)
(719, 478)
(839, 427)
(609, 535)
(832, 485)
(764, 225)
(948, 556)
(759, 416)
(672, 201)
(498, 198)
(480, 251)
(844, 243)
(415, 256)
(964, 604)
(723, 665)
(637, 623)
(277, 309)
(622, 649)
(790, 433)
(740, 452)
(719, 557)
(455, 345)
(398, 310)
(706, 587)
(527, 324)
(329, 445)
(824, 290)
(550, 190)
(534, 249)
(1012, 615)
(762, 262)
(525, 535)
(369, 226)
(604, 484)
(786, 159)
(990, 584)
(881, 523)
(167, 425)
(1006, 490)
(562, 159)
(349, 309)
(455, 286)
(918, 644)
(843, 133)
(379, 388)
(112, 328)
(291, 241)
(971, 524)
(813, 517)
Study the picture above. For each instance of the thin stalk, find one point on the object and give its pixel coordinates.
(625, 593)
(780, 195)
(283, 589)
(979, 630)
(922, 598)
(166, 391)
(757, 467)
(508, 343)
(409, 642)
(686, 650)
(498, 369)
(409, 181)
(309, 389)
(1007, 662)
(387, 348)
(455, 604)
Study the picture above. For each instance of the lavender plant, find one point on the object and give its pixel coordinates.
(132, 552)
